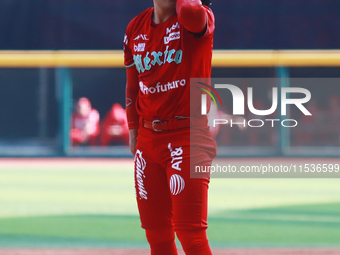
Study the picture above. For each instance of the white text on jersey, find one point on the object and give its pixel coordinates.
(173, 36)
(161, 88)
(173, 27)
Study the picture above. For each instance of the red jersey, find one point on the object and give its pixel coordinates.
(115, 126)
(166, 56)
(89, 122)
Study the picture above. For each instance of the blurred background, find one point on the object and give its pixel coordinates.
(40, 117)
(60, 110)
(88, 24)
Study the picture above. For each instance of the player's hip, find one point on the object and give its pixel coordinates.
(169, 147)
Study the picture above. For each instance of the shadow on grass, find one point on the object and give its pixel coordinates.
(315, 225)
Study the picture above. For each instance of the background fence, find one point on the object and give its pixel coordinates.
(101, 24)
(39, 89)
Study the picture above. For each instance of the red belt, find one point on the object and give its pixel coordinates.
(166, 125)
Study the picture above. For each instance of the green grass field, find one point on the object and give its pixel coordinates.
(93, 205)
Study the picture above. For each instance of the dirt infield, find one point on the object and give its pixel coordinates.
(146, 252)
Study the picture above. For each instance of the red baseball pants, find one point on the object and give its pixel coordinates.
(168, 199)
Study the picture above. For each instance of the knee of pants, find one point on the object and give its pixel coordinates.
(192, 239)
(160, 235)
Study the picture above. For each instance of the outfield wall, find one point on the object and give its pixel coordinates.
(39, 89)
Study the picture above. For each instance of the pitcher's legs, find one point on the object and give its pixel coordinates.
(189, 198)
(154, 204)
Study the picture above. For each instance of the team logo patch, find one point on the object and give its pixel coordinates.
(140, 47)
(140, 165)
(173, 36)
(177, 184)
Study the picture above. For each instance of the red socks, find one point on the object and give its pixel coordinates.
(194, 242)
(162, 241)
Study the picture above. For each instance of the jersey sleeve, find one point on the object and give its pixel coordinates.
(128, 57)
(210, 22)
(195, 17)
(132, 86)
(131, 95)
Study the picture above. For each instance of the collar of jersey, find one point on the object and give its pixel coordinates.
(154, 25)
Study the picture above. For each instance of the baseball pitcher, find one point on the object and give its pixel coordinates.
(164, 47)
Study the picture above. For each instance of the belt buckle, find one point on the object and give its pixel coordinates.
(153, 125)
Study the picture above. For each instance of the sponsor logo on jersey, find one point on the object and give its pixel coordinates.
(173, 27)
(177, 184)
(141, 36)
(172, 36)
(157, 58)
(161, 87)
(140, 47)
(176, 157)
(140, 165)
